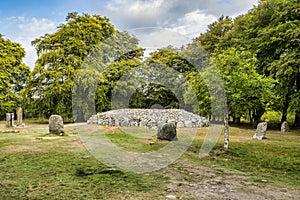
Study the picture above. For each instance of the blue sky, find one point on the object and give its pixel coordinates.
(24, 20)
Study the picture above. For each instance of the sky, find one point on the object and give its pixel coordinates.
(156, 23)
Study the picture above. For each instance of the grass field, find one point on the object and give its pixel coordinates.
(36, 165)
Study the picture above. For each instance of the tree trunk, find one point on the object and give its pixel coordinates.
(250, 117)
(297, 119)
(226, 130)
(285, 108)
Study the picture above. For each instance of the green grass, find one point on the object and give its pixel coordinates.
(132, 143)
(60, 168)
(275, 160)
(36, 165)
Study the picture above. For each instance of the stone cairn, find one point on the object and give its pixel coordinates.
(285, 127)
(261, 131)
(148, 118)
(56, 124)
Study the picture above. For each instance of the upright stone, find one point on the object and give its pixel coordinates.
(19, 116)
(260, 131)
(9, 119)
(56, 124)
(167, 132)
(285, 127)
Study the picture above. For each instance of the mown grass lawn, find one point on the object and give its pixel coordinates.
(35, 165)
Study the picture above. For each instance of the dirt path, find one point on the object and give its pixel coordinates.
(189, 181)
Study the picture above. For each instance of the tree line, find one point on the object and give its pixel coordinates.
(256, 55)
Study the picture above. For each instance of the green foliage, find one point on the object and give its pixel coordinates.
(270, 32)
(13, 75)
(102, 71)
(210, 40)
(61, 55)
(248, 92)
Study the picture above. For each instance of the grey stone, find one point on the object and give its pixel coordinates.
(56, 124)
(19, 112)
(143, 122)
(188, 124)
(285, 127)
(180, 124)
(167, 132)
(125, 122)
(260, 131)
(10, 119)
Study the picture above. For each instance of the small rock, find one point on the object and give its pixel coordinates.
(171, 197)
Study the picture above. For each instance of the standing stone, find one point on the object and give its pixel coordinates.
(9, 119)
(260, 131)
(56, 124)
(19, 116)
(285, 127)
(167, 132)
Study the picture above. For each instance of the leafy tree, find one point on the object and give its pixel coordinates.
(211, 40)
(271, 31)
(278, 49)
(13, 75)
(61, 54)
(101, 71)
(248, 92)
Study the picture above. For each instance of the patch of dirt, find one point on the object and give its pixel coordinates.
(189, 181)
(20, 148)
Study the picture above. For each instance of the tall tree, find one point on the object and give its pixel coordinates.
(13, 75)
(61, 54)
(211, 40)
(271, 31)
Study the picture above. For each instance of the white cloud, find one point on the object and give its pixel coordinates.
(189, 18)
(138, 13)
(154, 38)
(30, 29)
(193, 23)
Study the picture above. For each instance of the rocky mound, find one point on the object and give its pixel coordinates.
(149, 118)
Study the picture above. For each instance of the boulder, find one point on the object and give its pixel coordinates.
(167, 132)
(56, 124)
(285, 127)
(260, 131)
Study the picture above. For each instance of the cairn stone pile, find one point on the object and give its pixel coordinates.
(148, 118)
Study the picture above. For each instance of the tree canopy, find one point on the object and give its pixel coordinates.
(13, 75)
(255, 54)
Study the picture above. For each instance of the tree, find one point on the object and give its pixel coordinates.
(271, 31)
(248, 92)
(13, 75)
(278, 49)
(61, 54)
(211, 40)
